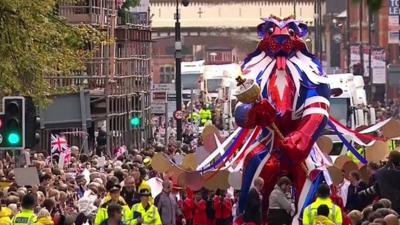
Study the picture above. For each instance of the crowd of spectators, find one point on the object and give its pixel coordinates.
(91, 191)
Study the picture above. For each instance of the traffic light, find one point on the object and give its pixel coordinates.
(135, 121)
(32, 124)
(13, 123)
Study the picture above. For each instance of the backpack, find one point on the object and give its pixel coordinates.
(210, 211)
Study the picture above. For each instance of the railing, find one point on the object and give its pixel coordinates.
(133, 18)
(93, 15)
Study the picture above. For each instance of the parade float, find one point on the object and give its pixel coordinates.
(284, 105)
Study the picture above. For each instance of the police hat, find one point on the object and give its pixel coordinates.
(144, 192)
(115, 188)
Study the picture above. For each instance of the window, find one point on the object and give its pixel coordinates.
(167, 74)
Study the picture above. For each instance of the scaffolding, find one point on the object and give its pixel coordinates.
(118, 76)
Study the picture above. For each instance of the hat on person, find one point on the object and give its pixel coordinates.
(115, 188)
(147, 161)
(144, 192)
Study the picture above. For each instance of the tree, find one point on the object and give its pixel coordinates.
(373, 5)
(35, 42)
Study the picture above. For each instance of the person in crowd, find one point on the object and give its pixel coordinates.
(279, 203)
(188, 208)
(26, 216)
(114, 212)
(140, 182)
(386, 185)
(5, 215)
(44, 218)
(208, 196)
(128, 191)
(115, 198)
(322, 217)
(344, 188)
(391, 219)
(145, 212)
(355, 217)
(205, 114)
(310, 212)
(223, 208)
(386, 203)
(167, 205)
(354, 201)
(101, 140)
(200, 215)
(372, 168)
(366, 212)
(253, 208)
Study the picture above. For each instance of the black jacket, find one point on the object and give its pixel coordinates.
(355, 201)
(253, 208)
(387, 185)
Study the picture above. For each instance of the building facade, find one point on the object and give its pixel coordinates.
(118, 76)
(381, 37)
(220, 32)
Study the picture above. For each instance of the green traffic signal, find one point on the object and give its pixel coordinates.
(13, 138)
(135, 121)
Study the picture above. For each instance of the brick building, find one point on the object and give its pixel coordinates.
(379, 38)
(119, 75)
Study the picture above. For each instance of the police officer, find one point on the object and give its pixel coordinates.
(310, 212)
(114, 198)
(26, 216)
(145, 213)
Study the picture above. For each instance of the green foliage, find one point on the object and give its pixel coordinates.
(373, 5)
(36, 43)
(129, 3)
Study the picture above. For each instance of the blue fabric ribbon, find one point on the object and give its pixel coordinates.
(347, 144)
(226, 153)
(248, 175)
(312, 193)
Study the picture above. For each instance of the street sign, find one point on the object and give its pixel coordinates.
(171, 97)
(164, 87)
(178, 115)
(158, 108)
(160, 96)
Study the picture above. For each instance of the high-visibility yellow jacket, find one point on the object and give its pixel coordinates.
(310, 212)
(194, 116)
(205, 115)
(47, 220)
(353, 157)
(392, 145)
(103, 215)
(149, 216)
(5, 216)
(26, 217)
(322, 220)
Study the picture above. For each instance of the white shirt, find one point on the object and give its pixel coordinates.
(344, 189)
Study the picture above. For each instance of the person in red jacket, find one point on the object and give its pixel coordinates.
(200, 215)
(223, 208)
(188, 208)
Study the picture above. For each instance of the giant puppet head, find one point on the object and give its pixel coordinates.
(281, 37)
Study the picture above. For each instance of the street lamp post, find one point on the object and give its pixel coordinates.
(178, 60)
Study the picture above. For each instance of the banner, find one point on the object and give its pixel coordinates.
(378, 62)
(393, 29)
(378, 66)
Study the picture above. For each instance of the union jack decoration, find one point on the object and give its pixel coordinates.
(58, 144)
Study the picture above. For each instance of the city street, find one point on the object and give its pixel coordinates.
(199, 112)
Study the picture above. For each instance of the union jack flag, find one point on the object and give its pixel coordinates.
(58, 144)
(60, 148)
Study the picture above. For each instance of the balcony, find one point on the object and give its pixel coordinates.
(93, 12)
